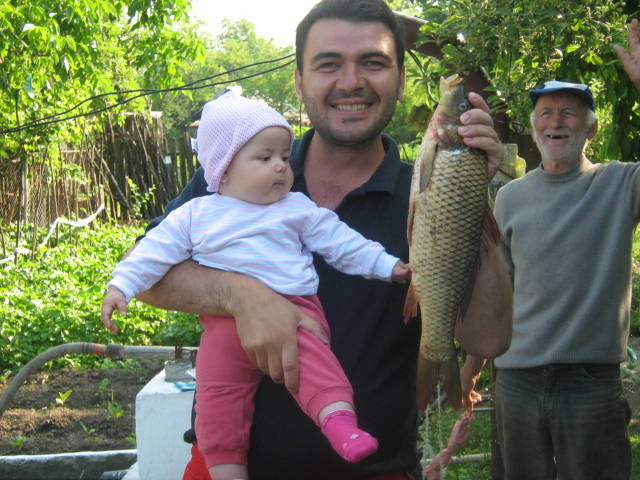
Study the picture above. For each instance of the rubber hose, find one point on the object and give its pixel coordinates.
(111, 350)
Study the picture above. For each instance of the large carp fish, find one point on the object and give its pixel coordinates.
(449, 219)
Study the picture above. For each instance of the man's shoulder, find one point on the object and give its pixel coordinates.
(514, 194)
(198, 183)
(616, 166)
(518, 184)
(405, 164)
(615, 171)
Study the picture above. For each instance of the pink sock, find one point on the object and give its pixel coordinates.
(351, 443)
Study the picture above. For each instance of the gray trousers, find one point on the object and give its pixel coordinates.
(565, 421)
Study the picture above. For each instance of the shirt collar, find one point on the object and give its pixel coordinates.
(383, 179)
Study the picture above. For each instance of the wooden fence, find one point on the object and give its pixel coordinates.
(130, 171)
(137, 159)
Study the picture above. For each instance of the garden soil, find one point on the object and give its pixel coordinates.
(98, 414)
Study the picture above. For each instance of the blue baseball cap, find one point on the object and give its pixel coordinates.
(578, 89)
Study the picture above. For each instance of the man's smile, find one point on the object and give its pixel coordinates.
(351, 108)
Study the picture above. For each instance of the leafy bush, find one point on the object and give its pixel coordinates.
(635, 287)
(55, 298)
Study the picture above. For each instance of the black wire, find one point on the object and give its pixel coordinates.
(52, 119)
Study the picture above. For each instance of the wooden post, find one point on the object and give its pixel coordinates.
(497, 468)
(23, 202)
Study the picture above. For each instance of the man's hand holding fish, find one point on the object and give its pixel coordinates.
(476, 131)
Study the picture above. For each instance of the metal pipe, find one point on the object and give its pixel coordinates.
(110, 350)
(473, 457)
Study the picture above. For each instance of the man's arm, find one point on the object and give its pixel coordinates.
(469, 375)
(266, 321)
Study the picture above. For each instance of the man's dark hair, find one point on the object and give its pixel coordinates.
(351, 11)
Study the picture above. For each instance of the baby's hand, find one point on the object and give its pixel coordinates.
(113, 300)
(401, 272)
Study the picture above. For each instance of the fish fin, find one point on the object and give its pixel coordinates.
(427, 159)
(451, 380)
(490, 230)
(410, 309)
(412, 211)
(490, 237)
(468, 291)
(426, 381)
(415, 190)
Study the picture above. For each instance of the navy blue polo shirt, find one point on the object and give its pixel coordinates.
(376, 350)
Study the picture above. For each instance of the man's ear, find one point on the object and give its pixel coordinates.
(592, 130)
(402, 85)
(298, 84)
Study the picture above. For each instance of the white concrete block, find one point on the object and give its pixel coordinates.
(163, 413)
(132, 473)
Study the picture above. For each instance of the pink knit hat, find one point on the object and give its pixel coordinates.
(226, 125)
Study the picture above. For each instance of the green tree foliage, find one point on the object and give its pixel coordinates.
(521, 43)
(56, 54)
(238, 46)
(235, 47)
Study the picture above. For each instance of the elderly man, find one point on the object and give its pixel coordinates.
(567, 231)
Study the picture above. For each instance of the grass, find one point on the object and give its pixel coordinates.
(479, 441)
(436, 433)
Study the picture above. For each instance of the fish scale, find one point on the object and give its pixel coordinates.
(453, 211)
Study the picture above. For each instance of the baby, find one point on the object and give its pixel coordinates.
(252, 224)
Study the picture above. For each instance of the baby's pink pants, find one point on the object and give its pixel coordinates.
(226, 382)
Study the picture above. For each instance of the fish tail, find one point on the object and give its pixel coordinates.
(429, 373)
(426, 381)
(452, 385)
(410, 309)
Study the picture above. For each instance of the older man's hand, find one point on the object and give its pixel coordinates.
(477, 131)
(631, 59)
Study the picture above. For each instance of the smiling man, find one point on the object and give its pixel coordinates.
(567, 230)
(349, 75)
(561, 125)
